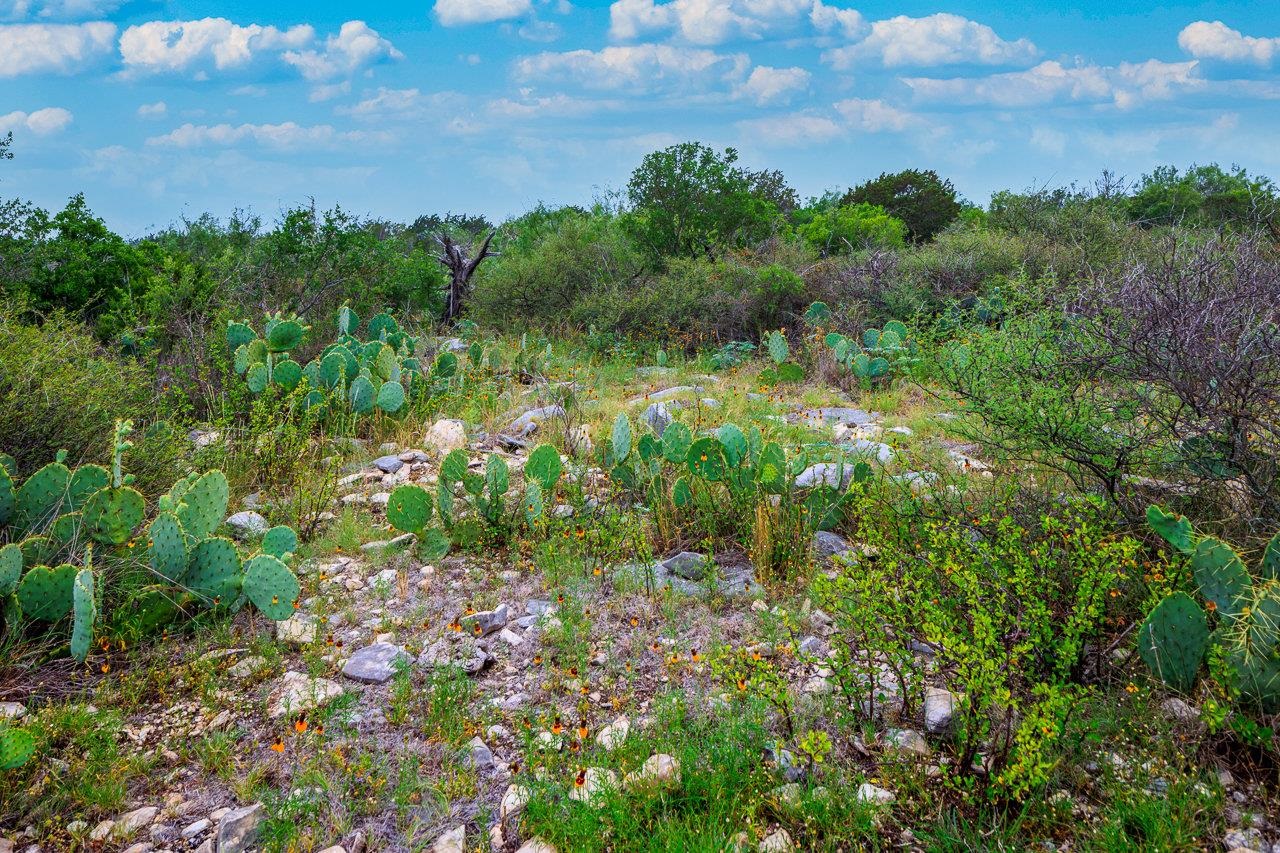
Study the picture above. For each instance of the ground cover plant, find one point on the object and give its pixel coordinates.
(706, 518)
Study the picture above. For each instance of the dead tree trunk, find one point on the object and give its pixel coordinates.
(454, 258)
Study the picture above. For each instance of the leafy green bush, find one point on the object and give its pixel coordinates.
(851, 227)
(924, 202)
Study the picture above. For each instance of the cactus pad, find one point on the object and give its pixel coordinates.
(1221, 576)
(39, 500)
(84, 610)
(735, 444)
(168, 549)
(706, 459)
(16, 747)
(332, 370)
(454, 467)
(45, 593)
(409, 508)
(239, 335)
(1173, 641)
(382, 326)
(111, 515)
(279, 542)
(214, 571)
(676, 440)
(1269, 568)
(497, 476)
(446, 366)
(544, 467)
(348, 320)
(434, 545)
(7, 498)
(390, 397)
(1257, 677)
(532, 501)
(620, 439)
(288, 374)
(285, 336)
(271, 587)
(86, 480)
(204, 505)
(1174, 529)
(257, 378)
(362, 395)
(10, 569)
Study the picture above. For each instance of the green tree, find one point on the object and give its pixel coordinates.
(1205, 196)
(921, 199)
(690, 200)
(6, 143)
(850, 227)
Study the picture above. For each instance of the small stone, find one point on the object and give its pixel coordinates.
(337, 848)
(777, 842)
(688, 565)
(939, 711)
(12, 710)
(388, 464)
(513, 801)
(239, 828)
(612, 735)
(868, 793)
(528, 423)
(375, 664)
(453, 841)
(76, 827)
(908, 740)
(1182, 713)
(300, 629)
(659, 770)
(511, 637)
(827, 544)
(657, 416)
(536, 845)
(247, 524)
(488, 621)
(446, 435)
(594, 782)
(196, 828)
(838, 475)
(480, 755)
(251, 665)
(102, 831)
(127, 826)
(298, 693)
(140, 847)
(402, 542)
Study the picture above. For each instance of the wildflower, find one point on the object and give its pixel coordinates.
(301, 726)
(1131, 687)
(278, 746)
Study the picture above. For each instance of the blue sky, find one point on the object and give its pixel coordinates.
(159, 109)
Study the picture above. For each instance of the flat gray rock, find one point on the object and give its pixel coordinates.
(238, 829)
(375, 664)
(688, 565)
(730, 581)
(865, 449)
(528, 422)
(248, 524)
(388, 464)
(658, 416)
(487, 621)
(837, 415)
(837, 475)
(827, 544)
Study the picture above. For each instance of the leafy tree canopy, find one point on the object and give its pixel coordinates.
(1205, 196)
(921, 199)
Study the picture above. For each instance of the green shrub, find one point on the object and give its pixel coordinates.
(852, 227)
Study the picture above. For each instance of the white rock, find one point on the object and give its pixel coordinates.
(777, 842)
(536, 845)
(192, 830)
(12, 710)
(939, 710)
(453, 841)
(128, 825)
(513, 801)
(298, 693)
(446, 435)
(868, 793)
(595, 781)
(612, 735)
(300, 629)
(659, 770)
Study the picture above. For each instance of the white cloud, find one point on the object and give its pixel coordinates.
(847, 22)
(288, 136)
(61, 48)
(57, 10)
(1049, 140)
(555, 106)
(328, 91)
(644, 67)
(1206, 40)
(774, 85)
(355, 46)
(941, 39)
(705, 22)
(155, 110)
(179, 45)
(41, 122)
(789, 131)
(453, 13)
(1126, 85)
(875, 116)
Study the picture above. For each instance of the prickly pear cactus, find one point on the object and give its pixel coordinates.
(280, 542)
(271, 587)
(288, 374)
(409, 508)
(39, 500)
(362, 395)
(7, 497)
(45, 593)
(203, 505)
(10, 569)
(16, 747)
(214, 571)
(168, 547)
(532, 501)
(390, 397)
(86, 481)
(1221, 576)
(285, 336)
(1174, 529)
(239, 335)
(84, 610)
(544, 467)
(1173, 641)
(112, 515)
(620, 440)
(706, 459)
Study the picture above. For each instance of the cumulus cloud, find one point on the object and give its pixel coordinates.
(1215, 40)
(941, 39)
(57, 10)
(156, 110)
(60, 48)
(287, 136)
(705, 22)
(640, 68)
(848, 23)
(773, 85)
(158, 46)
(454, 13)
(855, 115)
(41, 122)
(1126, 85)
(355, 46)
